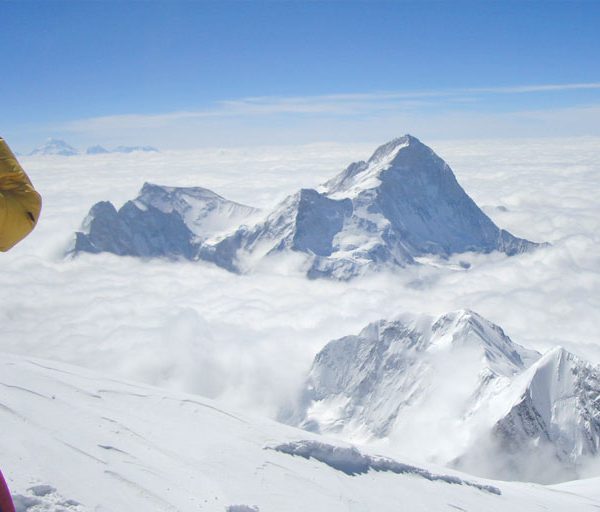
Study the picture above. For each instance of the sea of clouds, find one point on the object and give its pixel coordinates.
(249, 340)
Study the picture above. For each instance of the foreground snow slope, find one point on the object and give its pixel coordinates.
(77, 441)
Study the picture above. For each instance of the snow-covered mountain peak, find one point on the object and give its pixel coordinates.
(401, 204)
(551, 415)
(158, 195)
(389, 150)
(366, 386)
(556, 379)
(505, 411)
(97, 150)
(161, 221)
(403, 153)
(54, 147)
(467, 328)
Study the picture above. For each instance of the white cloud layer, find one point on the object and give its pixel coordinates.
(248, 340)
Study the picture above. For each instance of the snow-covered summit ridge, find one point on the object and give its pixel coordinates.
(505, 411)
(205, 212)
(362, 175)
(467, 328)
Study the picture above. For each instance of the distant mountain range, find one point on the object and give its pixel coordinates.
(61, 148)
(99, 150)
(505, 412)
(401, 204)
(54, 147)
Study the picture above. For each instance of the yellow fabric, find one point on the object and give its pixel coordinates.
(20, 204)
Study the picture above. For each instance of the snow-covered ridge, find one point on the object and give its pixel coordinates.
(404, 203)
(505, 411)
(160, 222)
(360, 176)
(89, 442)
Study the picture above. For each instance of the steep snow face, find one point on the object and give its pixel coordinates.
(375, 384)
(161, 221)
(361, 176)
(205, 213)
(404, 202)
(55, 147)
(77, 441)
(505, 411)
(551, 416)
(306, 222)
(424, 207)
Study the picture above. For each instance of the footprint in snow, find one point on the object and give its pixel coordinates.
(45, 498)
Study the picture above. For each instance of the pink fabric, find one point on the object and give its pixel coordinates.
(6, 503)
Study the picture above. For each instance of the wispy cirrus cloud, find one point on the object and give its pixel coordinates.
(266, 119)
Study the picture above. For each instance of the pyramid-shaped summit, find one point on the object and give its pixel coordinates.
(403, 202)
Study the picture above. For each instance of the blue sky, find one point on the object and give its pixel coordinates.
(184, 74)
